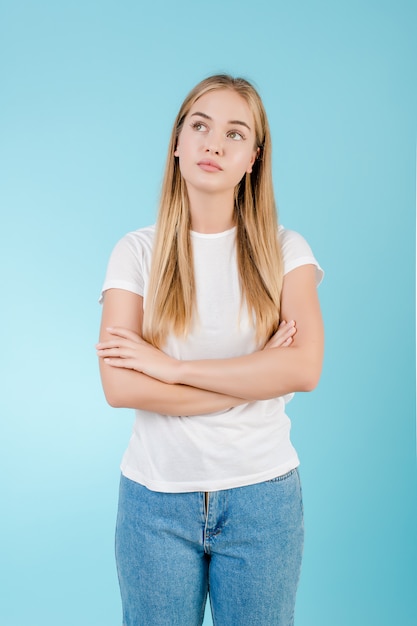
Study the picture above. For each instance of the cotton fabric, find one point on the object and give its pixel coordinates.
(243, 445)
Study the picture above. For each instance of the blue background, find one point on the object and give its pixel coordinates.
(89, 90)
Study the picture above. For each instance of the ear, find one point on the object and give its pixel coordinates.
(253, 159)
(176, 152)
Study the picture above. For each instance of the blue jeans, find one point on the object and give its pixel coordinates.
(242, 546)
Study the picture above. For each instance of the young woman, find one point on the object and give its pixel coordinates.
(210, 322)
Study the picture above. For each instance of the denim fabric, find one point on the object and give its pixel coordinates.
(245, 551)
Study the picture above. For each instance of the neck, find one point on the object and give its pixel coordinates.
(211, 213)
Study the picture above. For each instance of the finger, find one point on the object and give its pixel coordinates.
(281, 337)
(288, 328)
(285, 330)
(291, 330)
(121, 363)
(284, 324)
(116, 343)
(118, 352)
(283, 344)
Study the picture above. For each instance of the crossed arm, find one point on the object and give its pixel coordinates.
(137, 375)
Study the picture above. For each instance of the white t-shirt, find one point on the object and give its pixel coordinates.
(233, 448)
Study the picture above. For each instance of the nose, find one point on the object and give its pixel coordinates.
(214, 145)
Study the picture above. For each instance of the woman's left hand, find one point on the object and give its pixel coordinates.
(128, 350)
(283, 337)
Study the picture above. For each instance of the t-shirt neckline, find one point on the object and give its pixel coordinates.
(224, 233)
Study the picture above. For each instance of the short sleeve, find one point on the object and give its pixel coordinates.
(128, 264)
(296, 252)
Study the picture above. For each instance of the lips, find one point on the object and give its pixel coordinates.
(209, 166)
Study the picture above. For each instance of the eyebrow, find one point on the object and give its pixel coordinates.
(207, 117)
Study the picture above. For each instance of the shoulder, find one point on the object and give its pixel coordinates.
(291, 241)
(297, 252)
(136, 245)
(137, 240)
(130, 261)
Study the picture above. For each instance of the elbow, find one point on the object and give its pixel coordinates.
(113, 399)
(115, 404)
(310, 378)
(309, 384)
(113, 387)
(114, 393)
(118, 396)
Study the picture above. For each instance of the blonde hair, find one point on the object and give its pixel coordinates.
(170, 301)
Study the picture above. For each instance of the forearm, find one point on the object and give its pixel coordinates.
(259, 376)
(277, 371)
(262, 375)
(125, 388)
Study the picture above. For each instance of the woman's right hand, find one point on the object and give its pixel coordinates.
(283, 337)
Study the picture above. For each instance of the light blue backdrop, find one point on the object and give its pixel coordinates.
(89, 90)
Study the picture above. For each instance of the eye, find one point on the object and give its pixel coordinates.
(235, 135)
(198, 126)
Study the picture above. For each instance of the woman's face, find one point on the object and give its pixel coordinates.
(216, 145)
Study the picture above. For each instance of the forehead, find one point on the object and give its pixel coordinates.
(223, 105)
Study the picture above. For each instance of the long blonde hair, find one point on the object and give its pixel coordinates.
(170, 301)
